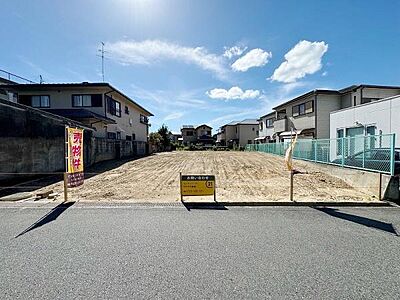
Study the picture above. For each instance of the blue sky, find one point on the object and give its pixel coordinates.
(209, 61)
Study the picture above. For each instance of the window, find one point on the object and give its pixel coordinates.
(114, 107)
(354, 101)
(126, 110)
(144, 119)
(189, 133)
(269, 123)
(128, 138)
(368, 100)
(281, 114)
(252, 128)
(249, 142)
(339, 144)
(89, 100)
(370, 130)
(133, 136)
(261, 125)
(208, 132)
(111, 135)
(118, 135)
(303, 108)
(40, 101)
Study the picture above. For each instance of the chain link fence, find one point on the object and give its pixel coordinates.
(375, 153)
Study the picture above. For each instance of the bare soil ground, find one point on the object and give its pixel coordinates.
(240, 176)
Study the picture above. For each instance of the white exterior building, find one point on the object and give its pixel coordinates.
(378, 117)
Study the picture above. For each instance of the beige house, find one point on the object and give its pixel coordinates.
(238, 133)
(112, 114)
(201, 134)
(309, 113)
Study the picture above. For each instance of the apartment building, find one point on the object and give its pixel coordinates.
(201, 134)
(238, 133)
(309, 114)
(100, 106)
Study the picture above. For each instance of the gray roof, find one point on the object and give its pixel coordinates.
(248, 122)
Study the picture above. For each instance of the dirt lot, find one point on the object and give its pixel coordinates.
(240, 176)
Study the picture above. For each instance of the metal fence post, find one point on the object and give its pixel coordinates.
(315, 150)
(392, 144)
(363, 157)
(342, 142)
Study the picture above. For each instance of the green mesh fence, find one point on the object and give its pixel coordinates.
(370, 153)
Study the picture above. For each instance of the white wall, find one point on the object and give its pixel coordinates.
(384, 114)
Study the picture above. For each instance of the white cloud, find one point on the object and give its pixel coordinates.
(150, 51)
(233, 93)
(173, 116)
(253, 58)
(304, 58)
(234, 51)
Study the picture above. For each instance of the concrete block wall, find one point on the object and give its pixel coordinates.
(33, 142)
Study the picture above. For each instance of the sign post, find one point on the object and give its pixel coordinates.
(197, 185)
(289, 162)
(73, 176)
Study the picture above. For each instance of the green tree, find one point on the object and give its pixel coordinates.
(155, 139)
(164, 132)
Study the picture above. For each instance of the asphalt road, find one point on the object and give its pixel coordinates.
(88, 251)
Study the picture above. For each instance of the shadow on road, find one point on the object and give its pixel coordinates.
(49, 217)
(203, 205)
(388, 227)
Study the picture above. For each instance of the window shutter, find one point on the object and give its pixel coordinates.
(97, 100)
(25, 99)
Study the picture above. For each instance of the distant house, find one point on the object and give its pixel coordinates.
(201, 134)
(175, 137)
(238, 133)
(101, 106)
(266, 128)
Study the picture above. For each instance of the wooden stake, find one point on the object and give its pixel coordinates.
(291, 185)
(65, 187)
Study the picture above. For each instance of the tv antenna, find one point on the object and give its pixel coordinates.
(102, 51)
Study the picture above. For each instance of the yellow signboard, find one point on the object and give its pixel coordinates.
(197, 185)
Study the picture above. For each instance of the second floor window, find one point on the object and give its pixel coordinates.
(189, 133)
(303, 108)
(261, 125)
(87, 100)
(113, 107)
(269, 123)
(144, 119)
(41, 101)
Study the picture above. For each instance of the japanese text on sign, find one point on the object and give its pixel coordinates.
(197, 185)
(75, 150)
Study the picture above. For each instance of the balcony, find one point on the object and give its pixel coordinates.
(281, 125)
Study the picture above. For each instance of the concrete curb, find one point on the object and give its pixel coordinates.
(289, 203)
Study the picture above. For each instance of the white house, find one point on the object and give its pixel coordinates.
(373, 118)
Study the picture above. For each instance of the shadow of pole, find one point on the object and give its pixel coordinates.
(388, 227)
(49, 217)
